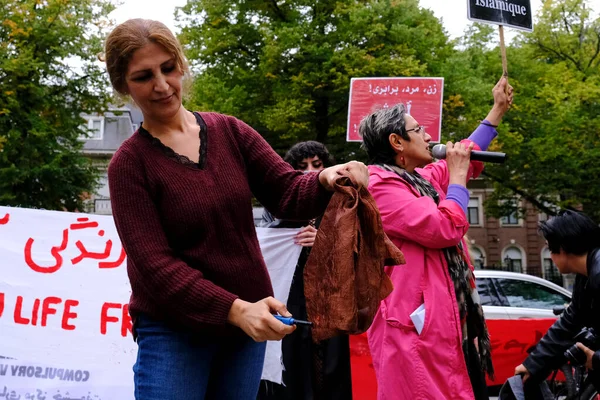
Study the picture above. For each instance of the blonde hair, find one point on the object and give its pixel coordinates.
(131, 36)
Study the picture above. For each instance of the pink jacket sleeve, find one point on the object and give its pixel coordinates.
(406, 216)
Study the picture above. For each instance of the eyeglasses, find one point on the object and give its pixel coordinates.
(418, 129)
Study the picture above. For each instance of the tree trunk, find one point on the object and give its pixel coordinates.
(322, 118)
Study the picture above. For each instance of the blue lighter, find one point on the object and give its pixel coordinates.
(292, 321)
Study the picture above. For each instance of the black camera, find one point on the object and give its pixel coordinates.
(586, 337)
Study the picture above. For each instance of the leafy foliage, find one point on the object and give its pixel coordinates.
(552, 134)
(285, 67)
(43, 98)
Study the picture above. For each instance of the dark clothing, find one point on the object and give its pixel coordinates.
(188, 228)
(475, 370)
(584, 311)
(312, 370)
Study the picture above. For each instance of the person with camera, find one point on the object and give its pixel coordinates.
(574, 242)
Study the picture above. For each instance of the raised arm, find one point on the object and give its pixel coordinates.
(482, 136)
(486, 131)
(287, 193)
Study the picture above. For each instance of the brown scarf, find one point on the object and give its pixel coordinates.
(344, 277)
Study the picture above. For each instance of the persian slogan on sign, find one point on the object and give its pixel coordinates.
(422, 97)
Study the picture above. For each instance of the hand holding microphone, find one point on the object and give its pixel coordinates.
(457, 157)
(439, 151)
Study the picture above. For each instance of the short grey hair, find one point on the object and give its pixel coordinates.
(375, 130)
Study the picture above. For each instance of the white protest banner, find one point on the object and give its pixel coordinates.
(281, 257)
(65, 330)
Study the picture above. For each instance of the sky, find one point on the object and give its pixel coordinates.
(160, 10)
(452, 12)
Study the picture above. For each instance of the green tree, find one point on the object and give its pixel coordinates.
(285, 67)
(48, 80)
(553, 133)
(469, 74)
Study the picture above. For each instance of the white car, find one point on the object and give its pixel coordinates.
(509, 295)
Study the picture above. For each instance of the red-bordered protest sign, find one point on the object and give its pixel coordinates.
(423, 98)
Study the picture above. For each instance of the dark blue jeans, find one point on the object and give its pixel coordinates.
(171, 365)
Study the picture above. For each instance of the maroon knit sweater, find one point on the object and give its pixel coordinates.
(188, 228)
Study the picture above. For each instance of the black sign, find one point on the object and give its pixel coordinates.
(513, 13)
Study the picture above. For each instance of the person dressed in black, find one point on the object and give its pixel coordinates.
(574, 242)
(311, 370)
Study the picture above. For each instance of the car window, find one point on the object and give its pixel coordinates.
(529, 294)
(487, 292)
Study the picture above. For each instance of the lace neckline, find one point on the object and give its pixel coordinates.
(180, 158)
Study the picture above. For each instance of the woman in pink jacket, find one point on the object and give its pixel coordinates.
(423, 208)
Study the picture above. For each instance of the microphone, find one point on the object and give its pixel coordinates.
(439, 151)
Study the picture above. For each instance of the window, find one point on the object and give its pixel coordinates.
(512, 218)
(550, 271)
(488, 293)
(135, 127)
(542, 216)
(529, 294)
(473, 211)
(94, 129)
(477, 257)
(102, 190)
(513, 259)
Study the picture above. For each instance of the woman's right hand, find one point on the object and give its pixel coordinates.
(257, 320)
(458, 159)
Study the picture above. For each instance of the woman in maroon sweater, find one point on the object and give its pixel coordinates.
(181, 190)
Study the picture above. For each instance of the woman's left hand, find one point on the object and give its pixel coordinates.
(458, 159)
(306, 237)
(503, 99)
(503, 95)
(358, 170)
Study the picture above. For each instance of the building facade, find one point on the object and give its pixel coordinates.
(105, 135)
(510, 243)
